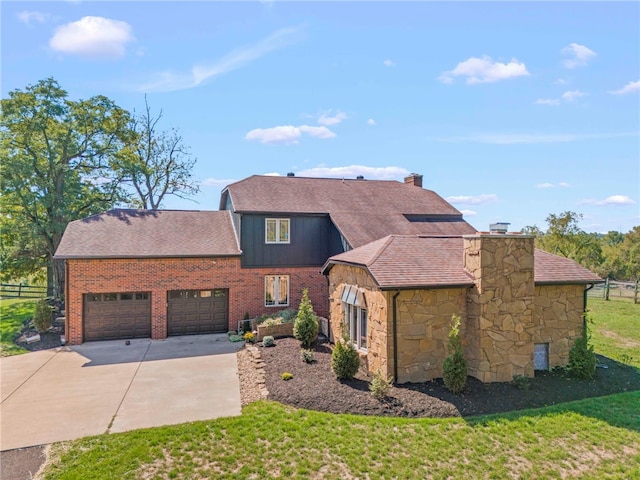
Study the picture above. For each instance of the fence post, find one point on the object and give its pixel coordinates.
(606, 289)
(19, 289)
(635, 294)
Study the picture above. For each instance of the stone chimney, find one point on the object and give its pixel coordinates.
(414, 179)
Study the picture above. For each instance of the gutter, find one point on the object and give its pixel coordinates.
(394, 303)
(584, 303)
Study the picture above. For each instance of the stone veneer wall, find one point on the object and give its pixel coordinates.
(423, 324)
(500, 333)
(377, 358)
(558, 317)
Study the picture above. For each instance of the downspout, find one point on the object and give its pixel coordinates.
(395, 336)
(584, 305)
(66, 302)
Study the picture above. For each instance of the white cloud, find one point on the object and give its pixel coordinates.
(468, 213)
(371, 122)
(93, 37)
(572, 95)
(171, 81)
(548, 101)
(271, 174)
(287, 134)
(389, 63)
(579, 55)
(552, 185)
(561, 81)
(473, 199)
(615, 200)
(29, 17)
(485, 70)
(628, 88)
(526, 138)
(352, 171)
(325, 119)
(216, 182)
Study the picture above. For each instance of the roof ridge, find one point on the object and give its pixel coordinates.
(388, 240)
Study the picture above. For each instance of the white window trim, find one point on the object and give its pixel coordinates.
(353, 301)
(276, 287)
(279, 222)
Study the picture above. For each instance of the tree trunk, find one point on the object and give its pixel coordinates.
(58, 278)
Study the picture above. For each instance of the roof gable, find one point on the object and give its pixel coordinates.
(124, 233)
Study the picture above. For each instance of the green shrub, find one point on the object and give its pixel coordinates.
(582, 359)
(308, 355)
(249, 337)
(380, 386)
(42, 316)
(454, 369)
(288, 315)
(270, 322)
(521, 382)
(345, 360)
(287, 376)
(268, 341)
(305, 326)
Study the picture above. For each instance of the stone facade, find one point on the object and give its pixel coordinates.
(503, 315)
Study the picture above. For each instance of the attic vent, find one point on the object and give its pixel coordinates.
(291, 174)
(360, 177)
(499, 228)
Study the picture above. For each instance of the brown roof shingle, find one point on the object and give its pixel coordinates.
(398, 261)
(363, 210)
(122, 233)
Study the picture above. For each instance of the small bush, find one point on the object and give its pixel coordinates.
(288, 315)
(287, 376)
(582, 359)
(344, 360)
(270, 322)
(249, 337)
(308, 355)
(521, 382)
(268, 341)
(236, 338)
(305, 326)
(42, 316)
(380, 386)
(454, 369)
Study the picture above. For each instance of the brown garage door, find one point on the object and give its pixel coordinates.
(111, 316)
(197, 311)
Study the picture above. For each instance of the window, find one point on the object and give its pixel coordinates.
(276, 290)
(277, 230)
(354, 311)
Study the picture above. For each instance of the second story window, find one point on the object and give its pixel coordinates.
(277, 230)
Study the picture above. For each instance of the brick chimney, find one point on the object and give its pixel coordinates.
(414, 179)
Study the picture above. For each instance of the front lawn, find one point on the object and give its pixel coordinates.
(615, 331)
(13, 315)
(594, 438)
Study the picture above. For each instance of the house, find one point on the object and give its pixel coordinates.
(391, 261)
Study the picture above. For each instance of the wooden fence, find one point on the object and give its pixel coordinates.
(612, 289)
(8, 290)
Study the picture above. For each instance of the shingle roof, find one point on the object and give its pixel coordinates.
(124, 233)
(398, 261)
(363, 210)
(410, 261)
(550, 268)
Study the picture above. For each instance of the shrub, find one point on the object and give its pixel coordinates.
(287, 376)
(454, 369)
(521, 382)
(380, 385)
(288, 315)
(308, 355)
(582, 359)
(344, 360)
(268, 341)
(248, 337)
(42, 316)
(305, 326)
(269, 322)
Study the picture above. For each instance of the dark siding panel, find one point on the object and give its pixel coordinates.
(311, 242)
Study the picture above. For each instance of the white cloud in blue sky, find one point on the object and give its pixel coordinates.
(628, 88)
(328, 119)
(472, 199)
(353, 171)
(615, 200)
(552, 185)
(566, 97)
(29, 17)
(288, 134)
(93, 37)
(485, 70)
(577, 55)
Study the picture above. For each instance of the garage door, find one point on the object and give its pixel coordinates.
(197, 311)
(111, 316)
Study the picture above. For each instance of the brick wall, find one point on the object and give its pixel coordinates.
(246, 286)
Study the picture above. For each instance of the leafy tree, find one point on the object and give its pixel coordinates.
(305, 326)
(622, 260)
(55, 169)
(156, 163)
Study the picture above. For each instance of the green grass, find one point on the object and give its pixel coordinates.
(589, 439)
(13, 315)
(615, 331)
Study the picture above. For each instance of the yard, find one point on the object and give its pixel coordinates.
(13, 315)
(615, 331)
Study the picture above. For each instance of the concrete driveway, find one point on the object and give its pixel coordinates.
(102, 387)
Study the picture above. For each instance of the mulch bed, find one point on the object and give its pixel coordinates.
(48, 339)
(314, 387)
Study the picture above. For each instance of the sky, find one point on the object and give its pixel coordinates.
(511, 111)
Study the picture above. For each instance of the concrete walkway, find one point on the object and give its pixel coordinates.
(101, 387)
